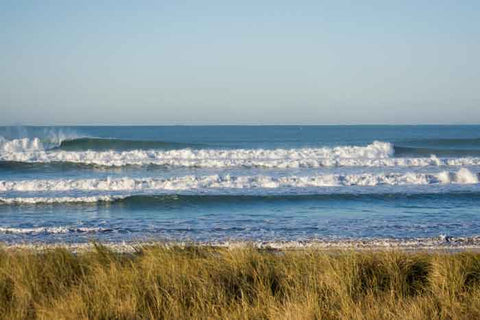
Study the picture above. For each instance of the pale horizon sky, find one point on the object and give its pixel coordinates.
(248, 62)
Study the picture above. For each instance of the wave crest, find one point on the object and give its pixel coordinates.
(377, 154)
(102, 144)
(211, 158)
(190, 182)
(20, 145)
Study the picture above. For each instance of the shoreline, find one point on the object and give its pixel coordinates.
(442, 243)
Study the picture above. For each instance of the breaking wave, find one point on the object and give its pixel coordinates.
(83, 143)
(118, 153)
(32, 152)
(243, 158)
(20, 145)
(190, 182)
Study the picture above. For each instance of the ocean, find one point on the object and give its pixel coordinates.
(238, 183)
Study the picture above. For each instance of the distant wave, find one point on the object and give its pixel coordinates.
(101, 144)
(20, 145)
(21, 139)
(401, 151)
(445, 142)
(190, 182)
(457, 147)
(210, 158)
(37, 144)
(375, 154)
(118, 153)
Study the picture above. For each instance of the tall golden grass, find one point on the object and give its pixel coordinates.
(195, 282)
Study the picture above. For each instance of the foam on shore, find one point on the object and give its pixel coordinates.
(442, 243)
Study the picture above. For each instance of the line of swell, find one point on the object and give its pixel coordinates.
(402, 151)
(209, 158)
(152, 159)
(444, 147)
(86, 143)
(377, 154)
(154, 200)
(450, 142)
(102, 144)
(15, 165)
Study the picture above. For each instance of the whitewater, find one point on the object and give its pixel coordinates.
(463, 176)
(265, 183)
(376, 154)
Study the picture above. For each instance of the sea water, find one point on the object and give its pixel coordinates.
(224, 183)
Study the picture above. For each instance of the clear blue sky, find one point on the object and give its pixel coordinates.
(234, 62)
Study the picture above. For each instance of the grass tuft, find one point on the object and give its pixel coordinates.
(194, 282)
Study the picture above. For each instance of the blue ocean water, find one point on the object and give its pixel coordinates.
(219, 183)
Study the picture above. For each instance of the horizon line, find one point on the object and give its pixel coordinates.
(237, 125)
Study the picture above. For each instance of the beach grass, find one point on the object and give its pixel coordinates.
(201, 282)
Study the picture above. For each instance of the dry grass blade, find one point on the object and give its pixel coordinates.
(245, 283)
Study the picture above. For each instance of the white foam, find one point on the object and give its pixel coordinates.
(55, 200)
(465, 176)
(432, 243)
(377, 154)
(35, 144)
(20, 145)
(304, 157)
(190, 182)
(52, 230)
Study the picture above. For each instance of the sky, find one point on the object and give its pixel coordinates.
(239, 62)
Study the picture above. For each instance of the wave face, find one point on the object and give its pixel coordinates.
(425, 151)
(439, 147)
(451, 143)
(100, 144)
